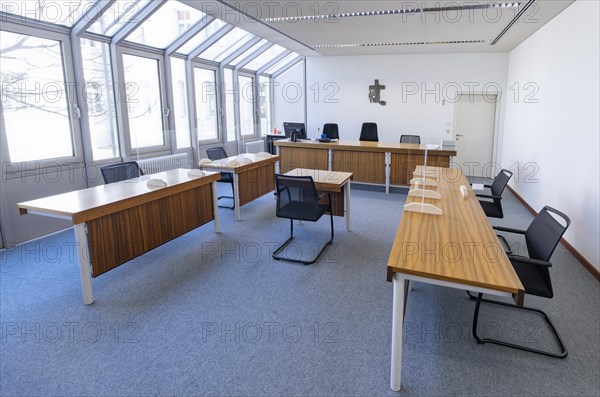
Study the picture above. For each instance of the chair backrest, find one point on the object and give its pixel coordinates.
(331, 130)
(368, 132)
(216, 153)
(121, 171)
(500, 182)
(545, 232)
(410, 139)
(298, 189)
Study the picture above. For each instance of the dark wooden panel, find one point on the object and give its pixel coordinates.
(256, 183)
(119, 237)
(337, 203)
(366, 166)
(296, 157)
(403, 166)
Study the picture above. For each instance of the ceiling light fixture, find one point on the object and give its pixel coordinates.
(392, 12)
(400, 44)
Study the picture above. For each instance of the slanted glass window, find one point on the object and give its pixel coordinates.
(282, 63)
(201, 37)
(180, 102)
(162, 28)
(248, 52)
(227, 45)
(230, 91)
(265, 58)
(265, 104)
(58, 12)
(246, 94)
(100, 100)
(206, 103)
(121, 13)
(34, 99)
(143, 96)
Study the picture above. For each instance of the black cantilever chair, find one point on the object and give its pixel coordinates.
(331, 130)
(218, 153)
(410, 139)
(121, 172)
(297, 198)
(368, 132)
(493, 208)
(541, 237)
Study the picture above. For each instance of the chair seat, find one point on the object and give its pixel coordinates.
(302, 211)
(491, 209)
(532, 279)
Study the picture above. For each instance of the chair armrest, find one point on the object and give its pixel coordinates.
(489, 196)
(529, 261)
(508, 229)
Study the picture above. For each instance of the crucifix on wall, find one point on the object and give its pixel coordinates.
(375, 93)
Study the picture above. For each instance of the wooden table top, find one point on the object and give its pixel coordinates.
(238, 167)
(458, 246)
(392, 147)
(84, 205)
(331, 181)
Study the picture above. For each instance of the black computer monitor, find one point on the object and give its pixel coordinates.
(289, 127)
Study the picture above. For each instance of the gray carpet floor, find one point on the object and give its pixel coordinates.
(213, 314)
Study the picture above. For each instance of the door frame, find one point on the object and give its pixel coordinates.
(496, 132)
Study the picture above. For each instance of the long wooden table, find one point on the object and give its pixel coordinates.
(250, 181)
(457, 249)
(336, 183)
(117, 222)
(383, 163)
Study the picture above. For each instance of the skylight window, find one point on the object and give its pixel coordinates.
(121, 13)
(201, 37)
(248, 52)
(58, 12)
(282, 63)
(265, 57)
(227, 45)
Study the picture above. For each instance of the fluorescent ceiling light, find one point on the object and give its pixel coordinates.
(399, 44)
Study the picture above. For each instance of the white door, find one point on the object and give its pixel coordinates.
(474, 124)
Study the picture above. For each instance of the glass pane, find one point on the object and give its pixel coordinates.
(165, 25)
(100, 99)
(59, 12)
(180, 102)
(248, 52)
(226, 45)
(265, 58)
(201, 37)
(246, 105)
(142, 87)
(281, 63)
(265, 104)
(121, 13)
(229, 104)
(34, 100)
(206, 103)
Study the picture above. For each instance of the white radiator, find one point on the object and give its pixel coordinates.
(165, 163)
(254, 147)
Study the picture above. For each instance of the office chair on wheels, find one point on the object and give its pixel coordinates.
(331, 130)
(541, 237)
(218, 153)
(493, 208)
(368, 132)
(410, 139)
(297, 198)
(121, 172)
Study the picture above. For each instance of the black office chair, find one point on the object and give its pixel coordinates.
(541, 237)
(368, 132)
(218, 153)
(410, 139)
(331, 130)
(493, 208)
(121, 171)
(297, 198)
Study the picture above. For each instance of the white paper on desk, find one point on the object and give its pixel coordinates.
(478, 186)
(156, 182)
(264, 155)
(205, 162)
(195, 173)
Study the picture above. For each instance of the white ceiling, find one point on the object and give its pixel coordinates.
(412, 27)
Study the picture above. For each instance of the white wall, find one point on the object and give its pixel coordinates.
(560, 132)
(420, 91)
(289, 97)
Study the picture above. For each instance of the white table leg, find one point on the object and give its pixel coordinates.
(85, 270)
(215, 199)
(347, 190)
(397, 328)
(236, 196)
(388, 167)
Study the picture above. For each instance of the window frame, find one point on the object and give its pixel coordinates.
(255, 109)
(193, 106)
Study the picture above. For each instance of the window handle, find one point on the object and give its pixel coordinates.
(167, 112)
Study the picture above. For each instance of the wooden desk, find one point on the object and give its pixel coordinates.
(117, 222)
(250, 181)
(383, 163)
(457, 249)
(337, 183)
